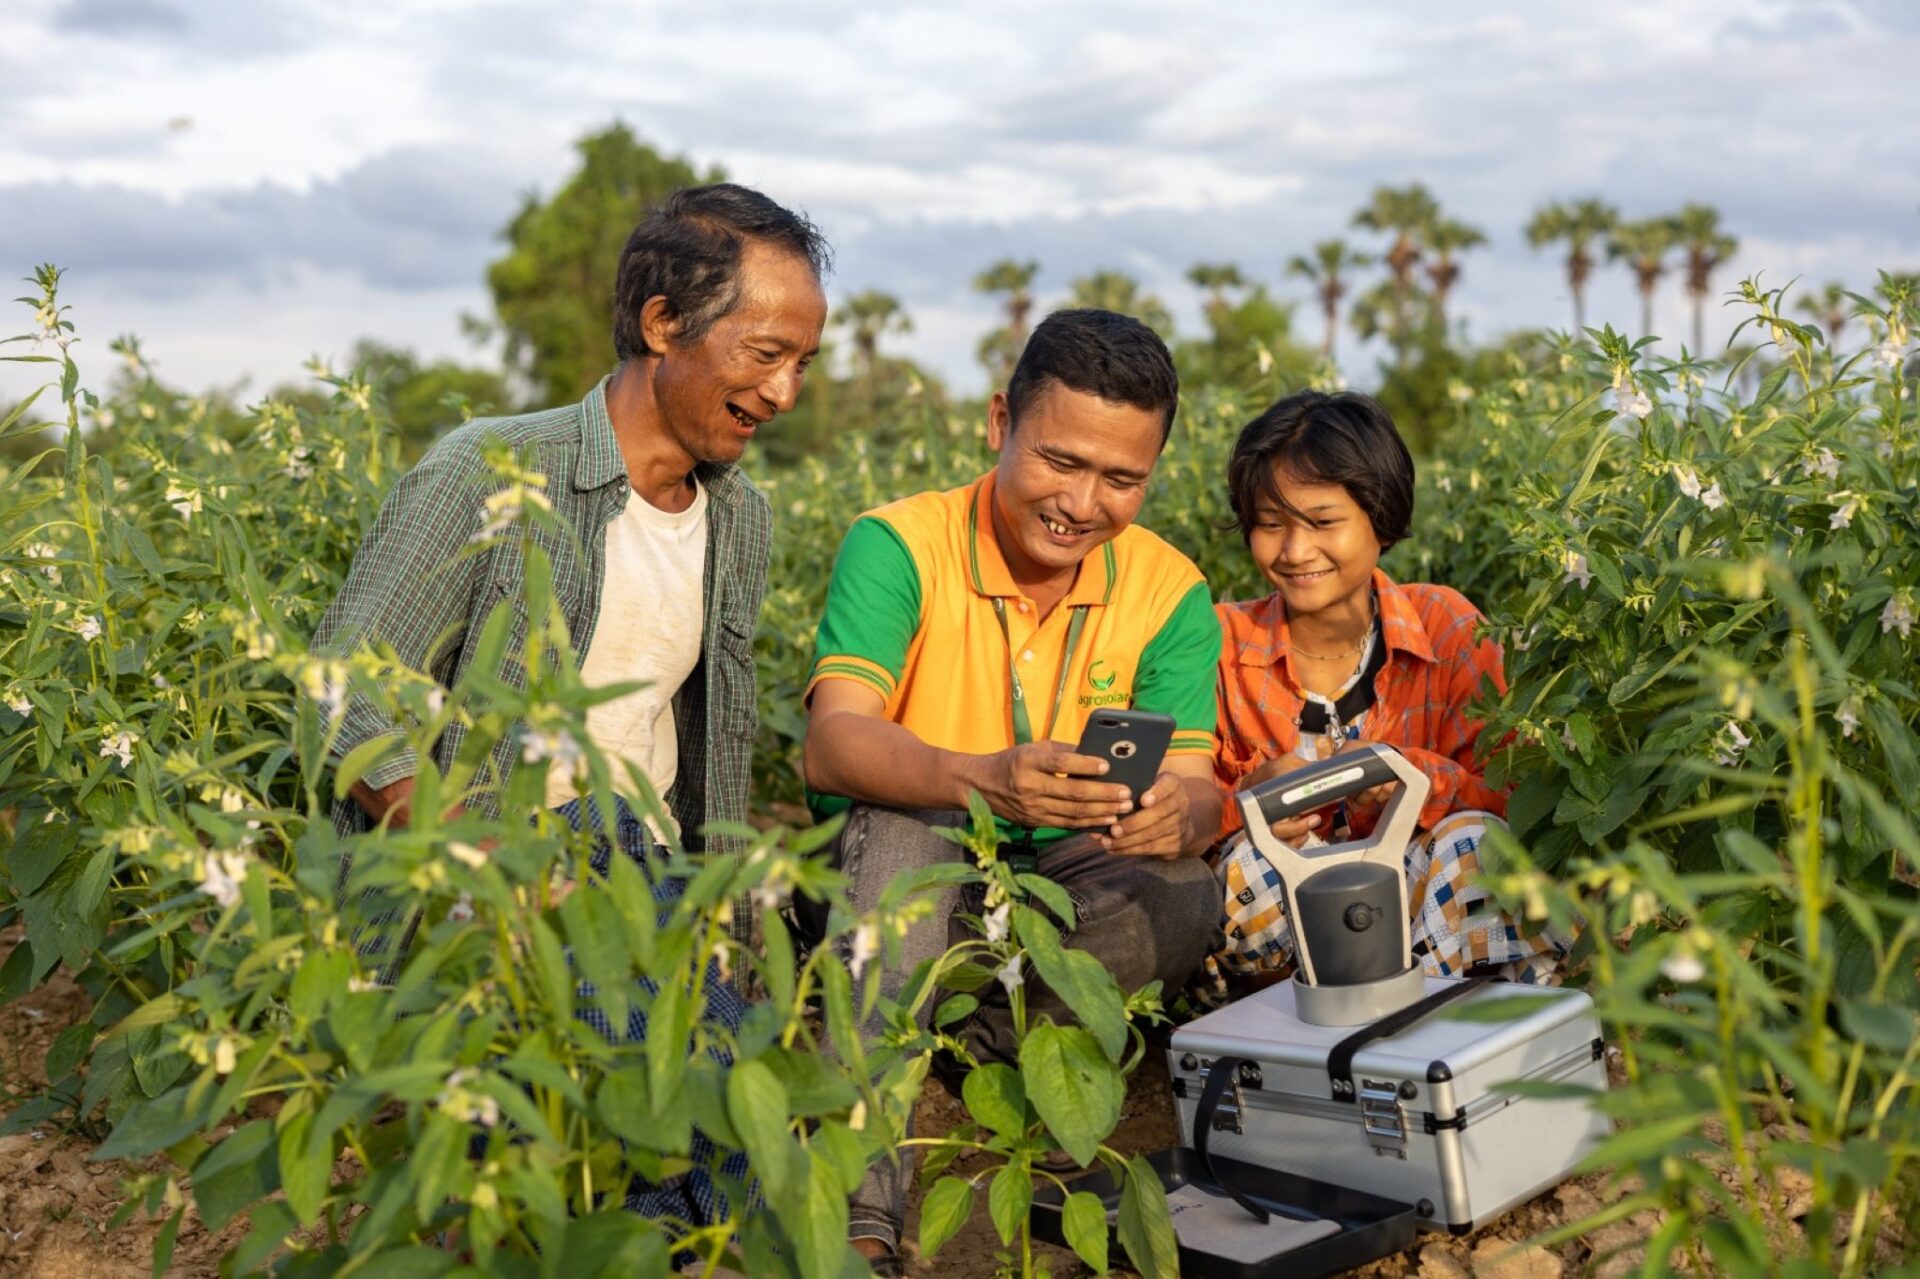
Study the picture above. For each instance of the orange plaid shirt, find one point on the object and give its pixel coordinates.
(1435, 667)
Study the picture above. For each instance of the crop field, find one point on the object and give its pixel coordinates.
(1705, 576)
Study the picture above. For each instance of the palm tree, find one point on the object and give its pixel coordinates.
(1579, 223)
(1000, 349)
(1644, 245)
(1707, 246)
(1326, 270)
(1401, 212)
(868, 316)
(1216, 278)
(1830, 309)
(1443, 238)
(1117, 291)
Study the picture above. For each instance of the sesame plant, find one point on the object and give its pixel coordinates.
(1704, 576)
(1064, 1091)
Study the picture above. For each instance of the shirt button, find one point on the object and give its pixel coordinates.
(1024, 606)
(1027, 656)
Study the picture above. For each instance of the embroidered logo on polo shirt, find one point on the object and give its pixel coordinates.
(1101, 677)
(1101, 683)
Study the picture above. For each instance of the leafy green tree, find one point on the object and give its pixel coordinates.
(1444, 239)
(1012, 281)
(1578, 224)
(553, 289)
(1249, 344)
(1707, 247)
(1644, 245)
(1327, 271)
(1117, 291)
(425, 399)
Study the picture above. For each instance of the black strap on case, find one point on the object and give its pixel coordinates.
(1219, 1076)
(1340, 1058)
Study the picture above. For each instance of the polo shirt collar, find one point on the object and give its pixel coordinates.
(1400, 627)
(601, 462)
(987, 570)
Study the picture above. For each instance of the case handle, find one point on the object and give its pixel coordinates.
(1321, 783)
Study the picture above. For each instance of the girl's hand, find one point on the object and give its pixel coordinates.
(1374, 796)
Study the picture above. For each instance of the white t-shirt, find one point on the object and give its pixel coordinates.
(652, 616)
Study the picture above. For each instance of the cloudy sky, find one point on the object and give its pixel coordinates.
(246, 183)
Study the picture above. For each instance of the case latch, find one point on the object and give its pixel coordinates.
(1226, 1116)
(1383, 1118)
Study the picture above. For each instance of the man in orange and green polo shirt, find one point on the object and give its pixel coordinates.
(968, 638)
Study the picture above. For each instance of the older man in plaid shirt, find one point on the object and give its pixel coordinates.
(718, 311)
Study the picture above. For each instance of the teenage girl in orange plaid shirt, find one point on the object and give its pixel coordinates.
(1339, 655)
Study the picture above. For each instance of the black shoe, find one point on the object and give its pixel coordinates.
(888, 1265)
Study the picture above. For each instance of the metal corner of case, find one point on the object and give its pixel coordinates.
(1459, 1227)
(1438, 1072)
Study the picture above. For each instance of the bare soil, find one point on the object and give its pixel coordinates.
(55, 1202)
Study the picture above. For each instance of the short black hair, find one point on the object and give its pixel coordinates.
(687, 250)
(1345, 439)
(1099, 353)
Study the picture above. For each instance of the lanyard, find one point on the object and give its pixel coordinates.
(1022, 726)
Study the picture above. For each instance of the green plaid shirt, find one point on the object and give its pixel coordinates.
(408, 589)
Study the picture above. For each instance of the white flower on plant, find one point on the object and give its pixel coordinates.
(462, 909)
(866, 947)
(226, 1055)
(1897, 615)
(361, 985)
(118, 745)
(1577, 570)
(1688, 481)
(555, 744)
(185, 502)
(221, 875)
(436, 700)
(459, 1102)
(1630, 401)
(1731, 745)
(1009, 975)
(999, 922)
(1848, 717)
(19, 705)
(1889, 354)
(1459, 392)
(1444, 484)
(467, 855)
(161, 682)
(1843, 518)
(89, 629)
(1713, 499)
(45, 551)
(1264, 359)
(1682, 967)
(299, 464)
(1822, 464)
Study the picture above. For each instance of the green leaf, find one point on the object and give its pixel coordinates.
(1055, 897)
(163, 1243)
(1073, 1085)
(994, 1097)
(1146, 1227)
(1083, 1220)
(154, 1125)
(612, 1243)
(757, 1105)
(1080, 980)
(306, 1166)
(360, 761)
(236, 1174)
(1009, 1198)
(69, 1050)
(1884, 1026)
(945, 1209)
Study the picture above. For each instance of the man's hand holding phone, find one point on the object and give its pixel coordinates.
(1159, 829)
(1051, 784)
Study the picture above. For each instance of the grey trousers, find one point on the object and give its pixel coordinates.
(1144, 918)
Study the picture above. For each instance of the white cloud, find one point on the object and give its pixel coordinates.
(364, 155)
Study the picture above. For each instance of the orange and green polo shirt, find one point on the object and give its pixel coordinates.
(911, 613)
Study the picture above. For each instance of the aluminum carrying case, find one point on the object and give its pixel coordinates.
(1408, 1107)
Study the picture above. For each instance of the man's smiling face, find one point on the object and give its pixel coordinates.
(1072, 474)
(716, 392)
